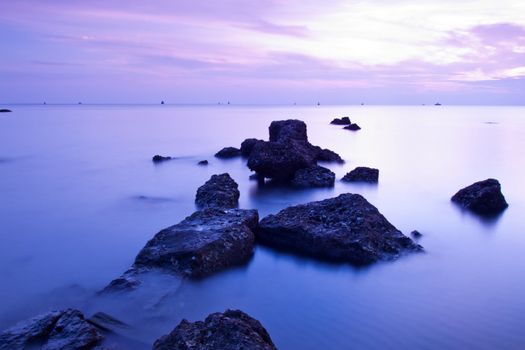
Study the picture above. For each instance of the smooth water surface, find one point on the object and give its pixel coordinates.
(79, 197)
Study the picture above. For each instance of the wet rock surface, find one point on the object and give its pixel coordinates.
(482, 197)
(158, 158)
(353, 127)
(55, 330)
(362, 174)
(346, 228)
(317, 176)
(228, 152)
(341, 121)
(231, 330)
(220, 191)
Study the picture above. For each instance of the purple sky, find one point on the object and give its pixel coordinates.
(263, 51)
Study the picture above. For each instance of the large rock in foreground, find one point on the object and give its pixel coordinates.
(345, 229)
(220, 191)
(317, 176)
(483, 197)
(55, 330)
(362, 174)
(231, 330)
(205, 242)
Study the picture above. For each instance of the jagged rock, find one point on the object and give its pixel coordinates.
(346, 228)
(55, 330)
(341, 121)
(353, 127)
(228, 152)
(4, 110)
(247, 146)
(220, 191)
(158, 158)
(203, 162)
(362, 174)
(483, 197)
(231, 330)
(285, 130)
(317, 176)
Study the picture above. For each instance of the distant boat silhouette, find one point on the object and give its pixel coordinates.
(437, 104)
(228, 102)
(80, 103)
(162, 102)
(318, 103)
(362, 104)
(45, 103)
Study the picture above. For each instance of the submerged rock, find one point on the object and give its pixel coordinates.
(220, 191)
(4, 110)
(247, 146)
(158, 158)
(55, 330)
(483, 197)
(341, 121)
(228, 152)
(285, 130)
(203, 162)
(362, 174)
(317, 176)
(353, 127)
(346, 228)
(231, 330)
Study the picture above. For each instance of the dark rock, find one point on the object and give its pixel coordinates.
(314, 177)
(343, 229)
(416, 234)
(341, 121)
(55, 330)
(326, 155)
(231, 330)
(362, 174)
(483, 197)
(220, 191)
(205, 242)
(203, 162)
(158, 158)
(4, 110)
(228, 152)
(353, 127)
(107, 323)
(247, 146)
(285, 130)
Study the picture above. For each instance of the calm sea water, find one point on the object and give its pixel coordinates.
(79, 197)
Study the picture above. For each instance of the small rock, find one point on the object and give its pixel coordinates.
(247, 146)
(4, 110)
(220, 191)
(203, 162)
(231, 330)
(416, 234)
(483, 197)
(362, 174)
(228, 152)
(158, 158)
(353, 127)
(341, 121)
(317, 176)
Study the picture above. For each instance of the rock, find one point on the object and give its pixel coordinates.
(483, 197)
(158, 158)
(247, 146)
(203, 162)
(416, 234)
(4, 110)
(362, 174)
(346, 228)
(205, 242)
(220, 191)
(228, 152)
(108, 323)
(353, 127)
(55, 330)
(326, 155)
(285, 130)
(341, 121)
(317, 176)
(231, 330)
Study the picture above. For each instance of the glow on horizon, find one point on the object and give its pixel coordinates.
(264, 51)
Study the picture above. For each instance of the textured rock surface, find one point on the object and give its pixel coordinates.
(247, 146)
(341, 121)
(228, 152)
(314, 177)
(362, 174)
(231, 330)
(353, 127)
(285, 130)
(55, 330)
(346, 229)
(158, 158)
(483, 197)
(220, 191)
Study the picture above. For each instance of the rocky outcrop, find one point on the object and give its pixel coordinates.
(231, 330)
(483, 197)
(228, 152)
(55, 330)
(344, 229)
(353, 127)
(4, 110)
(158, 158)
(203, 162)
(220, 191)
(341, 121)
(362, 174)
(285, 130)
(247, 146)
(316, 176)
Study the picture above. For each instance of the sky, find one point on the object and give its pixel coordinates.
(263, 51)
